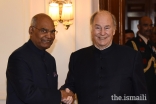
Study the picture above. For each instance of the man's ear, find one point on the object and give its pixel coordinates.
(30, 30)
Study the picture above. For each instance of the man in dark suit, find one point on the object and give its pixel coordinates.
(142, 44)
(31, 72)
(106, 73)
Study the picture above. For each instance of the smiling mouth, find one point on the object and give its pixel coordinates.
(47, 41)
(102, 38)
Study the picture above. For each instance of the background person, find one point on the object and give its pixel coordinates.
(129, 34)
(153, 36)
(143, 44)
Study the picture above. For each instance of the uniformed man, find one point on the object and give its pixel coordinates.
(142, 44)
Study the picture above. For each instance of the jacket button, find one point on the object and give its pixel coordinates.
(100, 77)
(99, 97)
(101, 68)
(101, 57)
(100, 87)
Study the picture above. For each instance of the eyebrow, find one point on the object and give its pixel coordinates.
(97, 25)
(48, 29)
(107, 26)
(104, 26)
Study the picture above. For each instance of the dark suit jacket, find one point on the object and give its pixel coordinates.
(97, 77)
(146, 53)
(32, 77)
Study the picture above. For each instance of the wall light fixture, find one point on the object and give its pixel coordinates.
(61, 11)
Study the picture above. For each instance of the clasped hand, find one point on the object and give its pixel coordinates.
(68, 97)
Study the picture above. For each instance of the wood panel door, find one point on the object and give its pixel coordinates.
(116, 7)
(136, 9)
(127, 13)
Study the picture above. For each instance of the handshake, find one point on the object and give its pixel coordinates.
(68, 97)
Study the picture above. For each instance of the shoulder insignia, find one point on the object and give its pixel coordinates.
(134, 45)
(149, 64)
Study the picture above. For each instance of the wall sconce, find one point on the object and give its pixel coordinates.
(61, 11)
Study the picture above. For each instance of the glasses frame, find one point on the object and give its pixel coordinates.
(46, 31)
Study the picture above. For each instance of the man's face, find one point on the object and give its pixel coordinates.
(145, 27)
(103, 30)
(128, 36)
(42, 34)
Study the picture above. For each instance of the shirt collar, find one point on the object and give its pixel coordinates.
(104, 48)
(34, 48)
(143, 38)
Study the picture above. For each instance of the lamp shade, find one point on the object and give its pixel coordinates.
(67, 12)
(54, 11)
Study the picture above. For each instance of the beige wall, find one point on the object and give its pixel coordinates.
(14, 22)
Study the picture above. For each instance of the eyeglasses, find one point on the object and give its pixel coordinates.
(46, 31)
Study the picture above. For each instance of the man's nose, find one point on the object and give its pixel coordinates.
(103, 31)
(49, 35)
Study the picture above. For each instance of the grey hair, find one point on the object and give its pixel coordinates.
(93, 17)
(33, 21)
